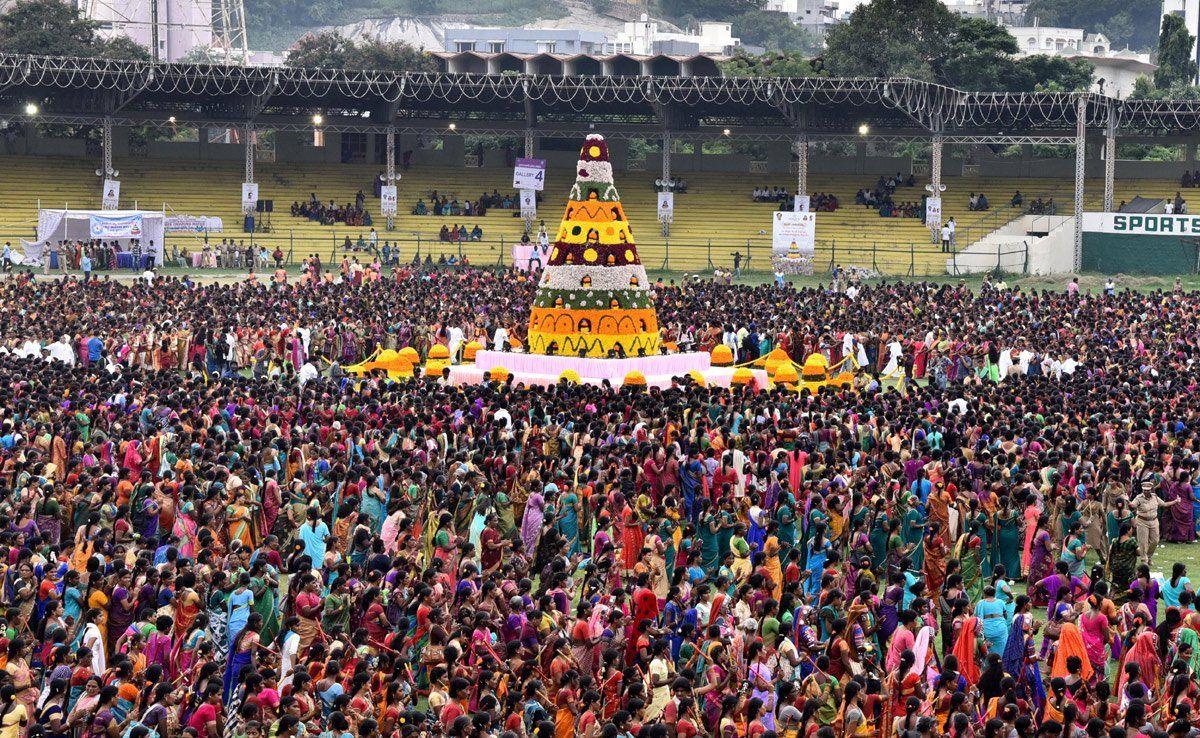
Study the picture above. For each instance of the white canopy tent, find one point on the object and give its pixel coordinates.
(120, 226)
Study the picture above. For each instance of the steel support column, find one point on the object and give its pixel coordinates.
(389, 176)
(1080, 163)
(528, 143)
(802, 165)
(935, 187)
(249, 147)
(1110, 160)
(106, 144)
(666, 156)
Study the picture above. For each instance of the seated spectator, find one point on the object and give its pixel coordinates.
(1186, 179)
(681, 186)
(444, 233)
(972, 201)
(982, 202)
(1017, 200)
(420, 209)
(476, 233)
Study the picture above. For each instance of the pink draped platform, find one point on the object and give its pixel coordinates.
(545, 370)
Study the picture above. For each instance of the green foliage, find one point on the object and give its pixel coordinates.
(891, 38)
(1175, 63)
(773, 31)
(55, 28)
(1144, 89)
(922, 39)
(1148, 152)
(490, 142)
(122, 48)
(329, 49)
(779, 64)
(643, 148)
(1132, 23)
(1053, 74)
(708, 9)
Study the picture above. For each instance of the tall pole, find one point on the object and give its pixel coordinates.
(389, 176)
(1110, 160)
(248, 139)
(1080, 163)
(106, 145)
(666, 177)
(530, 216)
(802, 165)
(666, 156)
(933, 216)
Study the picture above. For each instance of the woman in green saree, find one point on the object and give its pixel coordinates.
(967, 553)
(879, 534)
(1122, 561)
(1008, 537)
(264, 584)
(914, 533)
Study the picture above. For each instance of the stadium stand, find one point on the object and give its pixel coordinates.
(717, 209)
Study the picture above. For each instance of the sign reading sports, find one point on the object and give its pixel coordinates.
(1142, 224)
(1140, 243)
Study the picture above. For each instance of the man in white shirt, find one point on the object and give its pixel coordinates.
(500, 339)
(945, 238)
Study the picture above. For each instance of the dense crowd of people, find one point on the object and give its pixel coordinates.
(331, 213)
(213, 531)
(449, 204)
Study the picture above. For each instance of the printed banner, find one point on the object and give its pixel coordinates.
(249, 196)
(192, 224)
(528, 204)
(794, 233)
(112, 194)
(802, 204)
(387, 200)
(115, 226)
(933, 212)
(666, 207)
(1142, 224)
(529, 174)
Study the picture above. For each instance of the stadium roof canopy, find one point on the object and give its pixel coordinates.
(81, 91)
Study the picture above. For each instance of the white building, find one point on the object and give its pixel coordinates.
(169, 29)
(1190, 10)
(1057, 41)
(1002, 11)
(816, 16)
(646, 37)
(1114, 71)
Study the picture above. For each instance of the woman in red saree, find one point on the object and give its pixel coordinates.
(966, 648)
(632, 537)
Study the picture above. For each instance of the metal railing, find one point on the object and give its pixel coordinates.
(668, 255)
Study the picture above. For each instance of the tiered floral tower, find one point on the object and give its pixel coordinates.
(594, 299)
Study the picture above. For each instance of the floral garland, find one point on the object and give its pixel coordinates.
(564, 254)
(607, 322)
(585, 299)
(594, 345)
(568, 277)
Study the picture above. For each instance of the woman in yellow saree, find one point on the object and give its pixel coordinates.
(240, 522)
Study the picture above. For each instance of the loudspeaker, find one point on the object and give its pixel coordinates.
(270, 206)
(260, 206)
